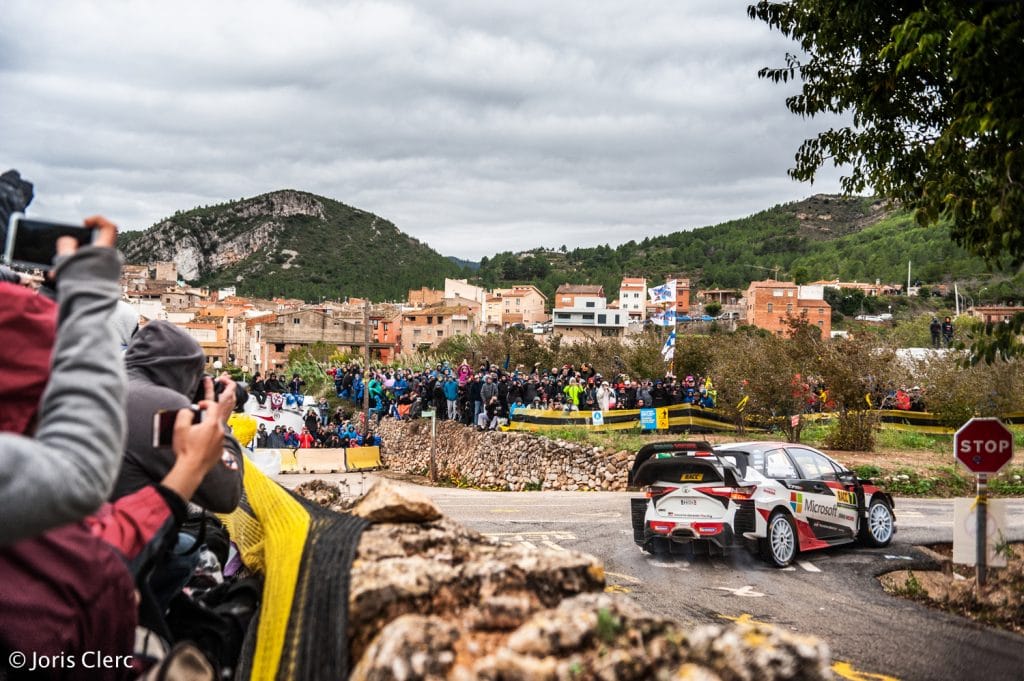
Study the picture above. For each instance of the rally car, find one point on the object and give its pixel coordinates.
(777, 497)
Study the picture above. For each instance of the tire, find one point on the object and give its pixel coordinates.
(879, 526)
(781, 545)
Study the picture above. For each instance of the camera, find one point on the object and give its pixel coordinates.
(241, 394)
(163, 425)
(33, 243)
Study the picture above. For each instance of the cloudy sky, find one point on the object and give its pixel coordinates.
(475, 126)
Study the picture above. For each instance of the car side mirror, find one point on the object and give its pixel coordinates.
(847, 477)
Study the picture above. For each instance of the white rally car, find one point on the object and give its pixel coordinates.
(778, 497)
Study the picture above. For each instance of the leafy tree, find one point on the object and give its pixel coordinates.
(937, 104)
(713, 309)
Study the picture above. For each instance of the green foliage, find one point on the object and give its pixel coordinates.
(713, 309)
(608, 625)
(853, 431)
(937, 107)
(867, 471)
(909, 439)
(342, 252)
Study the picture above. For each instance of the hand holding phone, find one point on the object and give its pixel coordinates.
(35, 243)
(163, 425)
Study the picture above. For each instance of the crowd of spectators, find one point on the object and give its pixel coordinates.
(485, 395)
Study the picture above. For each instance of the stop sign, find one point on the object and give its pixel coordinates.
(984, 445)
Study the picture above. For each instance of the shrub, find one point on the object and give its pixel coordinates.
(853, 431)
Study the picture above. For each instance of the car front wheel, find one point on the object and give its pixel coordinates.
(780, 546)
(877, 529)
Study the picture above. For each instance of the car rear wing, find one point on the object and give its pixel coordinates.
(685, 469)
(663, 450)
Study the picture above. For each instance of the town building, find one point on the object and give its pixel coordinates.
(425, 328)
(994, 314)
(521, 305)
(422, 297)
(581, 313)
(769, 304)
(272, 337)
(633, 298)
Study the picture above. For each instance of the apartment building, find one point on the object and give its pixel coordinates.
(426, 328)
(581, 312)
(633, 298)
(522, 305)
(770, 303)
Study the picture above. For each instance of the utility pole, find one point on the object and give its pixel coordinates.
(366, 371)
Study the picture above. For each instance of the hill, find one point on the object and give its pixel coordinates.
(293, 244)
(822, 237)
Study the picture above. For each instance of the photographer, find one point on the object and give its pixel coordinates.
(66, 468)
(165, 369)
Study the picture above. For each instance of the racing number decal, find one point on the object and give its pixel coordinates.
(691, 477)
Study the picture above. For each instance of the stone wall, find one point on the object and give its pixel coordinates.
(514, 461)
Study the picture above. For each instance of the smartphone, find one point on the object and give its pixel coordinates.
(33, 243)
(163, 425)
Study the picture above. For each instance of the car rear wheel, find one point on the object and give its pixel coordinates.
(780, 546)
(877, 529)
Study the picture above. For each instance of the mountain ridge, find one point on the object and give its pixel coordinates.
(297, 244)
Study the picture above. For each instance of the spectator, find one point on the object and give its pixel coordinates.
(66, 469)
(258, 388)
(262, 436)
(947, 332)
(305, 439)
(936, 328)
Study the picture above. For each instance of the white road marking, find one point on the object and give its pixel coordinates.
(810, 567)
(552, 545)
(747, 591)
(681, 565)
(539, 536)
(891, 557)
(528, 545)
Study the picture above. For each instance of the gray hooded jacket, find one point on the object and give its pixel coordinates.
(165, 368)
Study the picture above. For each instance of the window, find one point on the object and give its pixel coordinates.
(602, 319)
(589, 304)
(295, 320)
(375, 323)
(616, 319)
(771, 308)
(821, 324)
(562, 316)
(813, 465)
(777, 292)
(821, 311)
(610, 333)
(440, 333)
(278, 347)
(778, 466)
(430, 320)
(415, 332)
(518, 301)
(589, 316)
(789, 308)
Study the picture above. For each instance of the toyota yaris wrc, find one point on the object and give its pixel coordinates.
(777, 497)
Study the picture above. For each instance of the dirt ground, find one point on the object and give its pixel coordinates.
(953, 588)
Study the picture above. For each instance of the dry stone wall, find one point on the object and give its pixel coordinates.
(513, 461)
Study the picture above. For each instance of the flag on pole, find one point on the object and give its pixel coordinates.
(664, 318)
(668, 350)
(666, 293)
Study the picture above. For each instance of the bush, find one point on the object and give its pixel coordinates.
(853, 431)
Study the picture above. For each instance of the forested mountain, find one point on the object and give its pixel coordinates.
(292, 244)
(822, 237)
(295, 244)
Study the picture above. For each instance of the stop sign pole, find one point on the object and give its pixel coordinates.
(983, 445)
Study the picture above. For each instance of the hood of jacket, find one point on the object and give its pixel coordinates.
(165, 355)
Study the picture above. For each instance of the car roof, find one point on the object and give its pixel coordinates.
(761, 446)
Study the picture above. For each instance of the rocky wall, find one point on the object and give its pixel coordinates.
(513, 461)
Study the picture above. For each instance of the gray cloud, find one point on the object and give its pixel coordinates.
(475, 127)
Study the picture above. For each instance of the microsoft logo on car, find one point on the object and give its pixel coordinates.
(796, 502)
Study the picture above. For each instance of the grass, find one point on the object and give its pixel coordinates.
(903, 439)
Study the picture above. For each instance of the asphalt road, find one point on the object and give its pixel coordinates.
(833, 594)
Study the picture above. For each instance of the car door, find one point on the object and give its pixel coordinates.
(820, 503)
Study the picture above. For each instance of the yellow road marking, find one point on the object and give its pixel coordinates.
(745, 618)
(504, 510)
(617, 589)
(626, 578)
(845, 670)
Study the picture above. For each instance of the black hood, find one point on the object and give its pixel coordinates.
(165, 355)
